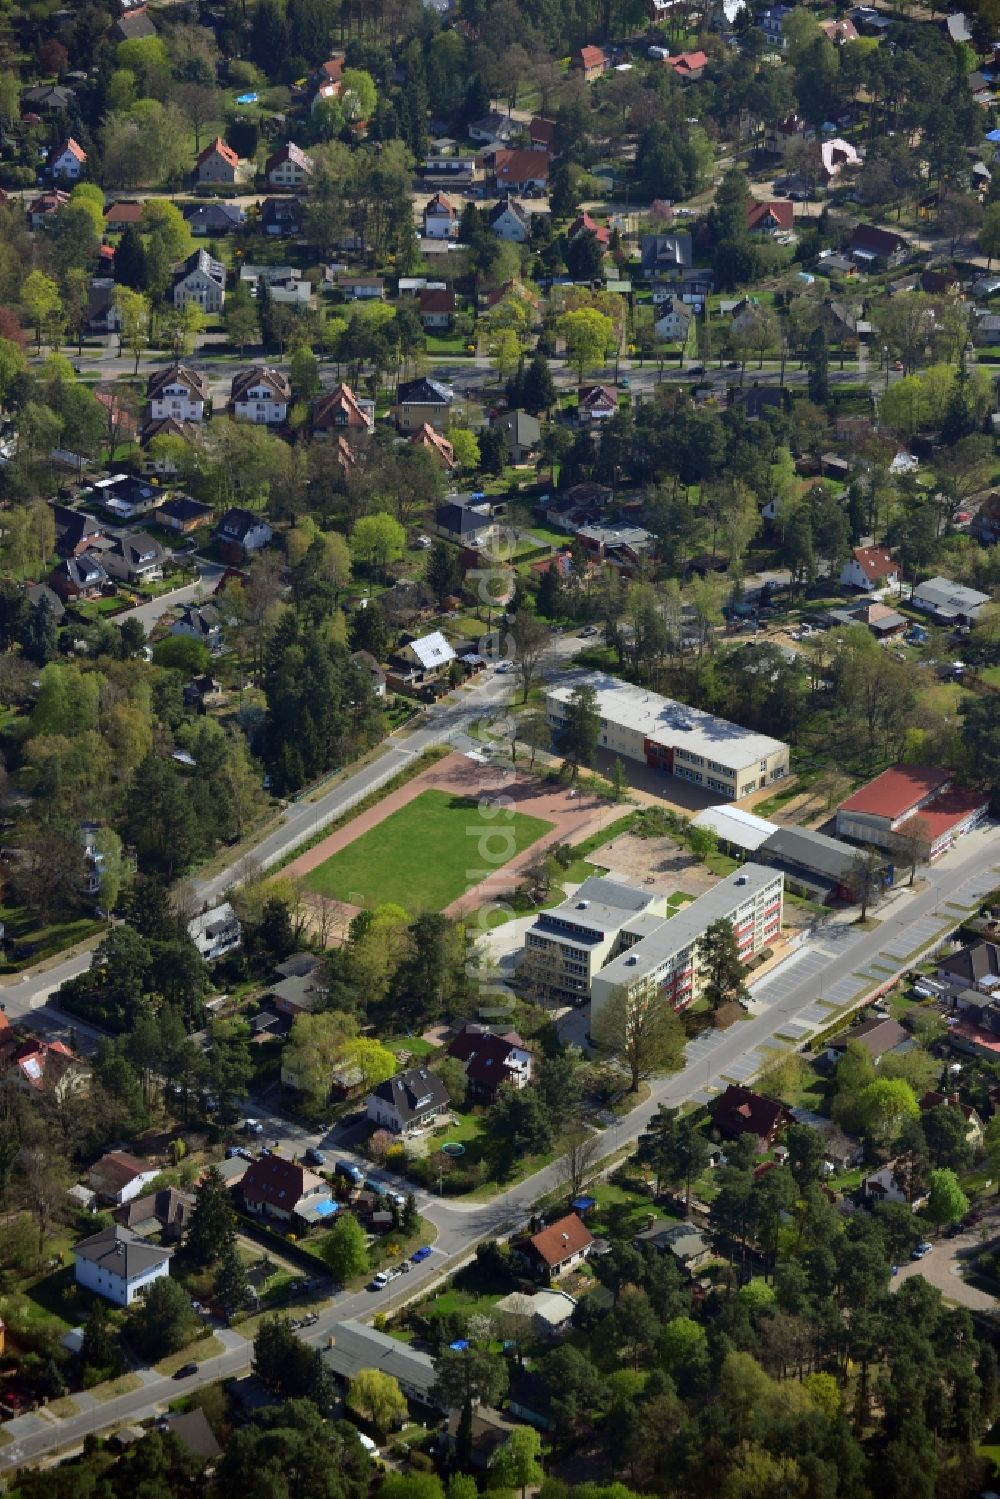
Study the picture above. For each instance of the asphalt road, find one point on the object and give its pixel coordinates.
(833, 963)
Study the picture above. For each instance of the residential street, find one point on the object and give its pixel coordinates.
(803, 994)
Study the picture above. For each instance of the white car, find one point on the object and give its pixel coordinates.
(504, 666)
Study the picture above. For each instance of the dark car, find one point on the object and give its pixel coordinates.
(315, 1157)
(185, 1371)
(421, 1254)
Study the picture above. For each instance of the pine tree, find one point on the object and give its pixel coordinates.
(212, 1235)
(410, 1222)
(538, 388)
(231, 1284)
(130, 260)
(550, 593)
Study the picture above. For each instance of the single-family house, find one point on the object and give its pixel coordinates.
(278, 1188)
(510, 220)
(584, 224)
(488, 1431)
(202, 623)
(41, 1068)
(558, 1248)
(179, 391)
(118, 1265)
(741, 1111)
(103, 315)
(408, 1101)
(126, 497)
(874, 249)
(298, 992)
(494, 129)
(840, 30)
(200, 279)
(665, 255)
(522, 434)
(872, 569)
(772, 23)
(440, 218)
(48, 97)
(68, 160)
(137, 558)
(75, 530)
(875, 1037)
(672, 321)
(121, 213)
(422, 400)
(893, 1182)
(217, 163)
(260, 395)
(216, 931)
(465, 520)
(542, 132)
(134, 26)
(687, 66)
(46, 204)
(427, 654)
(367, 663)
(215, 218)
(281, 216)
(948, 603)
(436, 309)
(163, 465)
(549, 1312)
(435, 443)
(167, 1212)
(354, 1346)
(520, 171)
(766, 219)
(183, 514)
(340, 409)
(685, 1243)
(592, 62)
(241, 528)
(203, 692)
(973, 1122)
(834, 156)
(118, 1177)
(80, 577)
(289, 167)
(595, 403)
(975, 968)
(362, 288)
(490, 1059)
(192, 1430)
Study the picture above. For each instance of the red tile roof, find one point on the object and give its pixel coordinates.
(219, 148)
(566, 1237)
(73, 147)
(277, 1182)
(591, 57)
(781, 213)
(542, 131)
(875, 562)
(125, 211)
(687, 62)
(515, 166)
(432, 300)
(897, 790)
(741, 1111)
(584, 224)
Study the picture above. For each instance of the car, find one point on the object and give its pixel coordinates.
(419, 1255)
(380, 1280)
(348, 1169)
(922, 1250)
(696, 369)
(315, 1157)
(504, 666)
(733, 364)
(588, 631)
(253, 1126)
(625, 383)
(953, 1230)
(185, 1371)
(423, 542)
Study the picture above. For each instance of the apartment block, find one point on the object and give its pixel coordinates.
(670, 737)
(664, 957)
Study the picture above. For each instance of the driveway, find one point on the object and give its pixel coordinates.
(148, 614)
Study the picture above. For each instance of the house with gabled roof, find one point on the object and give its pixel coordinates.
(559, 1247)
(687, 66)
(876, 249)
(340, 409)
(41, 1068)
(68, 160)
(435, 443)
(136, 558)
(429, 654)
(278, 1188)
(595, 403)
(510, 220)
(741, 1111)
(46, 204)
(215, 218)
(118, 1176)
(491, 1059)
(440, 218)
(217, 163)
(591, 61)
(520, 171)
(542, 132)
(179, 391)
(289, 167)
(241, 528)
(200, 279)
(260, 395)
(122, 212)
(408, 1101)
(422, 400)
(135, 25)
(584, 224)
(872, 569)
(770, 218)
(436, 308)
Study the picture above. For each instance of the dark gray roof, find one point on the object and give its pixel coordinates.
(876, 1036)
(463, 520)
(192, 1430)
(424, 392)
(413, 1092)
(120, 1252)
(973, 964)
(809, 850)
(354, 1347)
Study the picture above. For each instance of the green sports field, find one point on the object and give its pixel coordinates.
(425, 855)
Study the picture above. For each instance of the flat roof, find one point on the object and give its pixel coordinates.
(688, 924)
(598, 906)
(669, 723)
(734, 825)
(896, 790)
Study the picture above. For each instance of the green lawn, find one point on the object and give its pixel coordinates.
(425, 855)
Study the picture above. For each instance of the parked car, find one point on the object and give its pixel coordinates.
(185, 1371)
(922, 1251)
(253, 1126)
(421, 1254)
(380, 1280)
(353, 1173)
(315, 1157)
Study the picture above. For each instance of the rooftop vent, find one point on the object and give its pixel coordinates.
(742, 879)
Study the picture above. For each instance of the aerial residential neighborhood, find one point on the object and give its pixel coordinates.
(499, 751)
